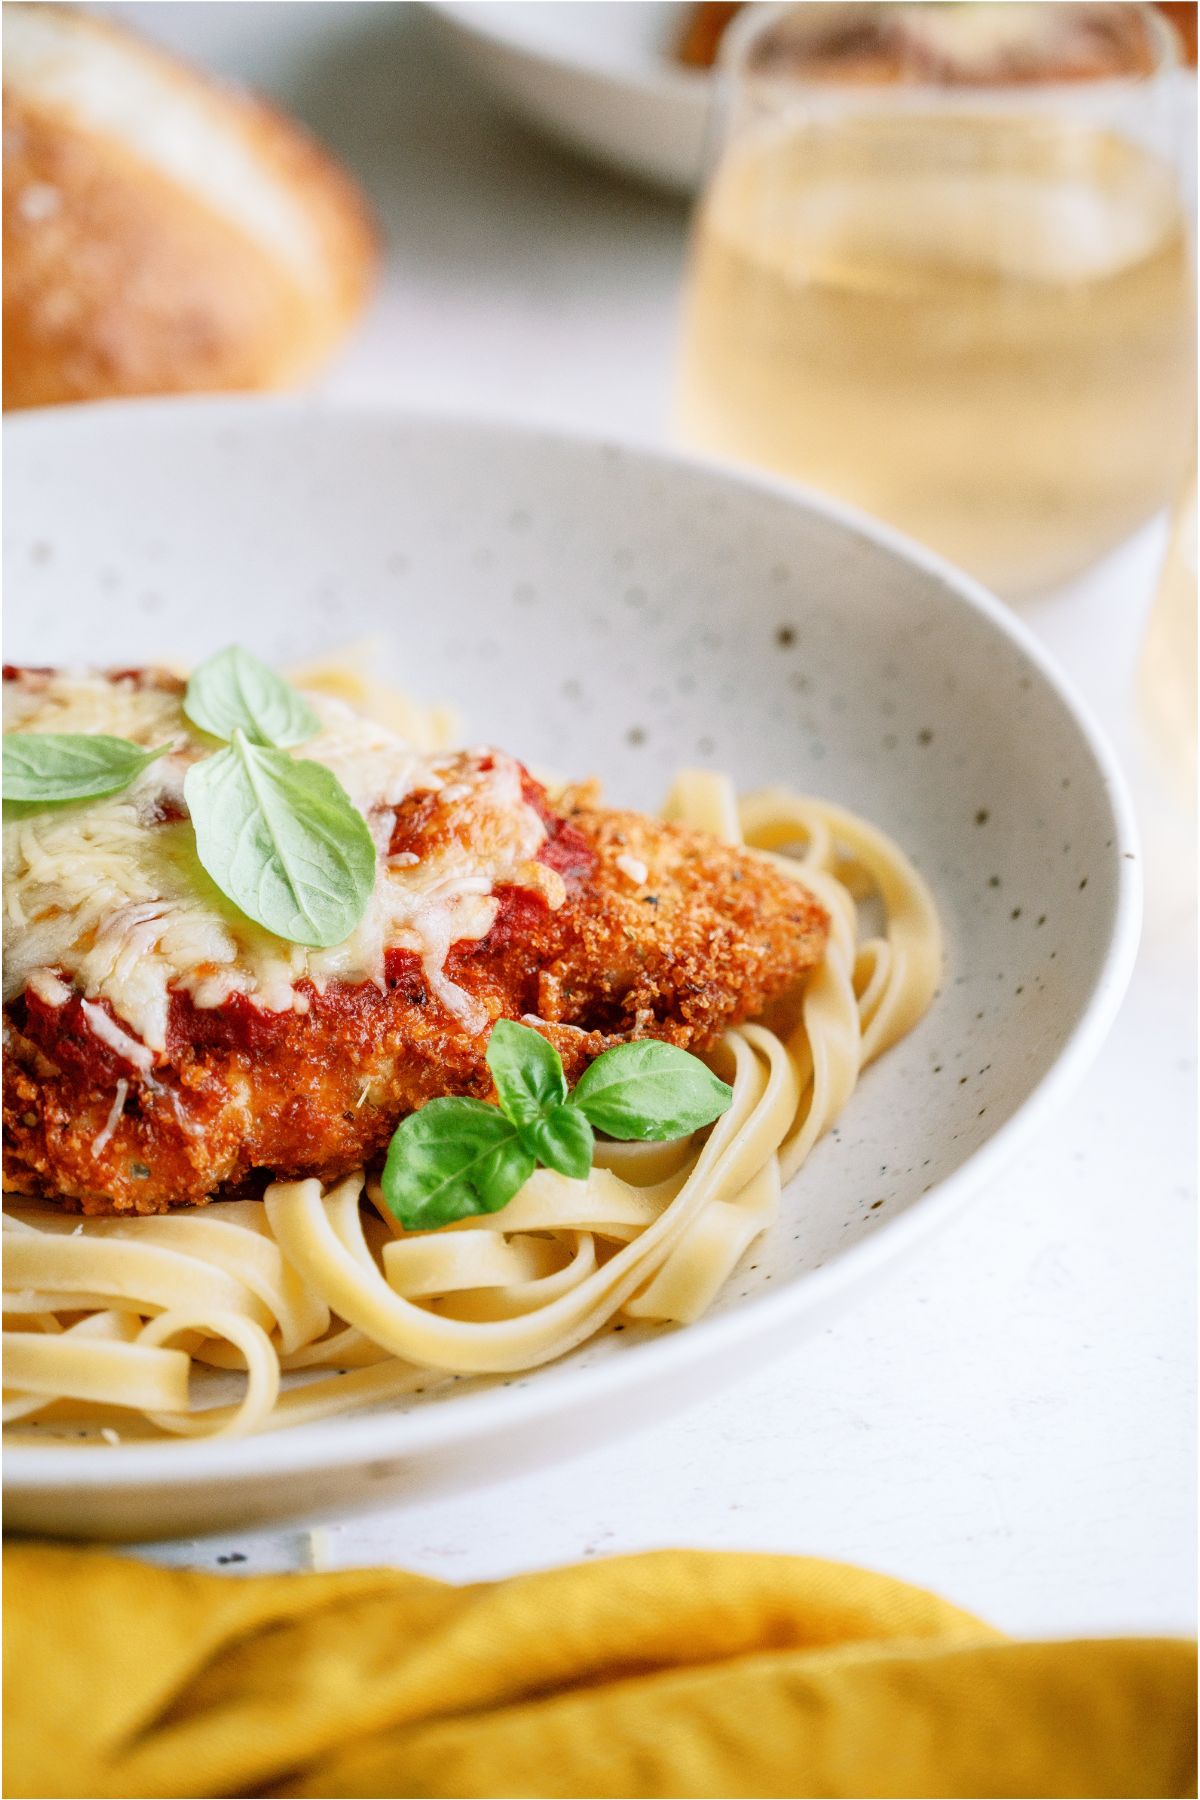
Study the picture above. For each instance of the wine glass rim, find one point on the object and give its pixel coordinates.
(755, 22)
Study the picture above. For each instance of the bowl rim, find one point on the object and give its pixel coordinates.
(355, 1439)
(477, 24)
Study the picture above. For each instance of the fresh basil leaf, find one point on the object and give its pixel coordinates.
(650, 1091)
(562, 1139)
(280, 838)
(452, 1160)
(527, 1070)
(45, 767)
(233, 691)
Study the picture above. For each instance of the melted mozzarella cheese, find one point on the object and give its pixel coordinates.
(109, 895)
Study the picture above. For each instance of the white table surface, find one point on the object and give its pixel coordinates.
(1009, 1419)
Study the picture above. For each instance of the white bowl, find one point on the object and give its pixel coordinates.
(596, 76)
(600, 609)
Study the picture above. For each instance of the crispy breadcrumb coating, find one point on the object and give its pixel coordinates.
(662, 933)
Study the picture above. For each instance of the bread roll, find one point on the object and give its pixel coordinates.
(162, 234)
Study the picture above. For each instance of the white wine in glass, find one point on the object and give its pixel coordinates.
(975, 320)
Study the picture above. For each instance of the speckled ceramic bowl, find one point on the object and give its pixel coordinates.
(611, 610)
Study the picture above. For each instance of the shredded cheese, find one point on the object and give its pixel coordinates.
(102, 1137)
(108, 900)
(110, 1033)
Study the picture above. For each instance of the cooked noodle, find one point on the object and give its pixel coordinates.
(322, 1302)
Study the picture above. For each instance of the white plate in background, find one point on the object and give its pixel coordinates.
(597, 76)
(598, 609)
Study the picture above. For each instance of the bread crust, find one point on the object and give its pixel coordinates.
(119, 279)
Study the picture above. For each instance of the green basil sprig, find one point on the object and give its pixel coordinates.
(280, 838)
(233, 691)
(43, 768)
(457, 1158)
(451, 1160)
(647, 1090)
(279, 834)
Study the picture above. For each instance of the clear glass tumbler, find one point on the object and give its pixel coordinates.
(942, 269)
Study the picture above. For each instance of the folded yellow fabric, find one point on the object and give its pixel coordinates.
(673, 1673)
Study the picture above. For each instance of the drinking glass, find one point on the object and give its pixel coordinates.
(942, 269)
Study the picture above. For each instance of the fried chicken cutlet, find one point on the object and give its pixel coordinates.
(163, 1049)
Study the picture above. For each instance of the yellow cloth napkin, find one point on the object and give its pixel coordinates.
(673, 1673)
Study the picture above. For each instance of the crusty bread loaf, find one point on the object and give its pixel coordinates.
(162, 234)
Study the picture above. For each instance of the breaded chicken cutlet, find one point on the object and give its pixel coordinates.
(162, 1049)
